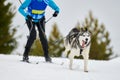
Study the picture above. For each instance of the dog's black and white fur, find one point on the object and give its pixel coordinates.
(78, 43)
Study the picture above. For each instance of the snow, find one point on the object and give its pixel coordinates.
(12, 69)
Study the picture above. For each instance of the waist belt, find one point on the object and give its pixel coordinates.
(38, 11)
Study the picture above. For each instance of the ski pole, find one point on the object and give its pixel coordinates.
(20, 1)
(49, 19)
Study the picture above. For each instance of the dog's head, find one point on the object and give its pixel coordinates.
(84, 37)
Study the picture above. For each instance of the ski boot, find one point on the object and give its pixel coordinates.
(26, 59)
(48, 59)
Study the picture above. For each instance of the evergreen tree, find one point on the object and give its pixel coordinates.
(56, 46)
(100, 41)
(36, 49)
(7, 41)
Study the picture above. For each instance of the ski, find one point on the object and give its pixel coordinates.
(53, 63)
(29, 62)
(37, 62)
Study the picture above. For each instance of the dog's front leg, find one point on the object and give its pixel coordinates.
(85, 62)
(86, 65)
(71, 56)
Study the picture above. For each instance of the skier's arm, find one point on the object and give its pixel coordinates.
(52, 4)
(23, 6)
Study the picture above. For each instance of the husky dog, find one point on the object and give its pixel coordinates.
(78, 43)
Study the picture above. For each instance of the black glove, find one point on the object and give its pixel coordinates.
(55, 14)
(29, 17)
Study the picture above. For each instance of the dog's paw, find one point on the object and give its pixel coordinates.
(70, 68)
(86, 71)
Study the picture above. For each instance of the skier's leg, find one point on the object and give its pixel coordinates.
(43, 39)
(30, 40)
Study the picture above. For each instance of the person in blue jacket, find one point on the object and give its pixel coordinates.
(34, 13)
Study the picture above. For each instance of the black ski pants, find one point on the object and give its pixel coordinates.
(41, 28)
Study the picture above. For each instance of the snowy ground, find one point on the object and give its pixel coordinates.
(12, 69)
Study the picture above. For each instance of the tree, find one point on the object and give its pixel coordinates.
(55, 42)
(36, 48)
(100, 41)
(7, 41)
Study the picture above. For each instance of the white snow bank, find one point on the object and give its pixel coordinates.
(12, 69)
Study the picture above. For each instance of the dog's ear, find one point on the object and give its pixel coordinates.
(90, 32)
(75, 30)
(86, 29)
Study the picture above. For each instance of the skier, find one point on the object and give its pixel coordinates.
(34, 13)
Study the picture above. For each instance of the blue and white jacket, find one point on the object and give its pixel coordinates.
(36, 8)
